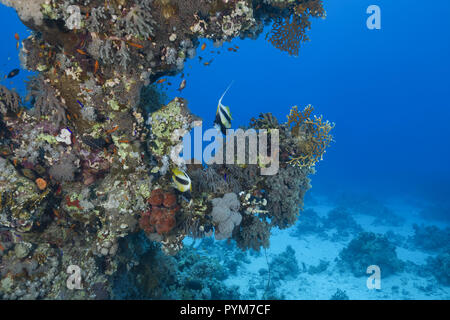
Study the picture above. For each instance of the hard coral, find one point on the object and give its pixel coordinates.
(370, 249)
(312, 137)
(288, 33)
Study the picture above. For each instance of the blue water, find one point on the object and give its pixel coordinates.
(387, 91)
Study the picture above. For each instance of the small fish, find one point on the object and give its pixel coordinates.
(182, 85)
(136, 45)
(96, 66)
(203, 46)
(181, 180)
(13, 73)
(223, 115)
(17, 37)
(17, 45)
(56, 213)
(112, 130)
(161, 81)
(81, 52)
(79, 102)
(230, 49)
(209, 62)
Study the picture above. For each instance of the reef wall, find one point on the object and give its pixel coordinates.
(88, 166)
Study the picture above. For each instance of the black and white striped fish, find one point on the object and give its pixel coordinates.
(223, 115)
(181, 180)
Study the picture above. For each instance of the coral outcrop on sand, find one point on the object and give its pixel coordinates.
(87, 168)
(370, 249)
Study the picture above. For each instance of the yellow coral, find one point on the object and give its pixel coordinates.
(312, 136)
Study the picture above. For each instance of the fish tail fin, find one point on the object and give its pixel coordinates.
(220, 101)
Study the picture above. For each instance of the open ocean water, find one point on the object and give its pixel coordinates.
(381, 195)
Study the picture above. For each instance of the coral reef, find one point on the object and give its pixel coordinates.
(311, 137)
(431, 238)
(289, 32)
(85, 172)
(321, 267)
(284, 266)
(341, 219)
(147, 273)
(439, 266)
(308, 223)
(370, 249)
(339, 295)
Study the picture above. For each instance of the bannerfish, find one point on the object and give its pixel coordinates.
(13, 73)
(181, 180)
(223, 115)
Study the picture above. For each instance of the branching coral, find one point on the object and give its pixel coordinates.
(312, 137)
(288, 33)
